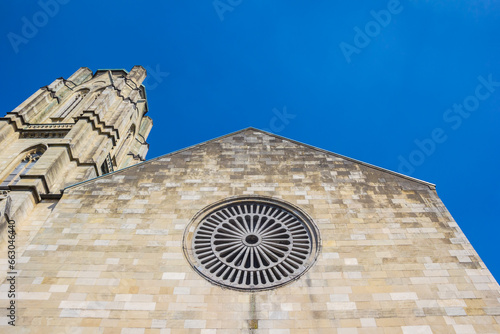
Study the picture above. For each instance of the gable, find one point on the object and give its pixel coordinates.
(252, 150)
(387, 247)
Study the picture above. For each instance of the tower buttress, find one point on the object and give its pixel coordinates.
(70, 131)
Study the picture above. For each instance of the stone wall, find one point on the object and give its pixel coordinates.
(108, 257)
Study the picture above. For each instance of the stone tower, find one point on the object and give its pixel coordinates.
(70, 131)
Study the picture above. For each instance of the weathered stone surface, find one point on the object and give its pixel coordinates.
(107, 257)
(64, 122)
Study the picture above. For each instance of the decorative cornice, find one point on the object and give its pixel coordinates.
(51, 130)
(49, 126)
(43, 134)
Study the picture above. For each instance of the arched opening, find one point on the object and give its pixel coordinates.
(69, 105)
(27, 162)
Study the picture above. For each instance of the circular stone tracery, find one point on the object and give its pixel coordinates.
(253, 245)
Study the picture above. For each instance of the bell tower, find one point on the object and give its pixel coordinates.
(70, 131)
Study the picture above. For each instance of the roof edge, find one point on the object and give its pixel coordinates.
(430, 185)
(111, 69)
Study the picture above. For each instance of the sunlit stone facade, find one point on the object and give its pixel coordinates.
(113, 254)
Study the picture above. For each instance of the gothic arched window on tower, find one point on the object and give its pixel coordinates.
(69, 106)
(22, 168)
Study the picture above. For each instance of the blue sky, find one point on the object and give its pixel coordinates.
(411, 86)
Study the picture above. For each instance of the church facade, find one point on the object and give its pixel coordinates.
(247, 233)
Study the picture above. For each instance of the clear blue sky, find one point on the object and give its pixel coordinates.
(379, 81)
